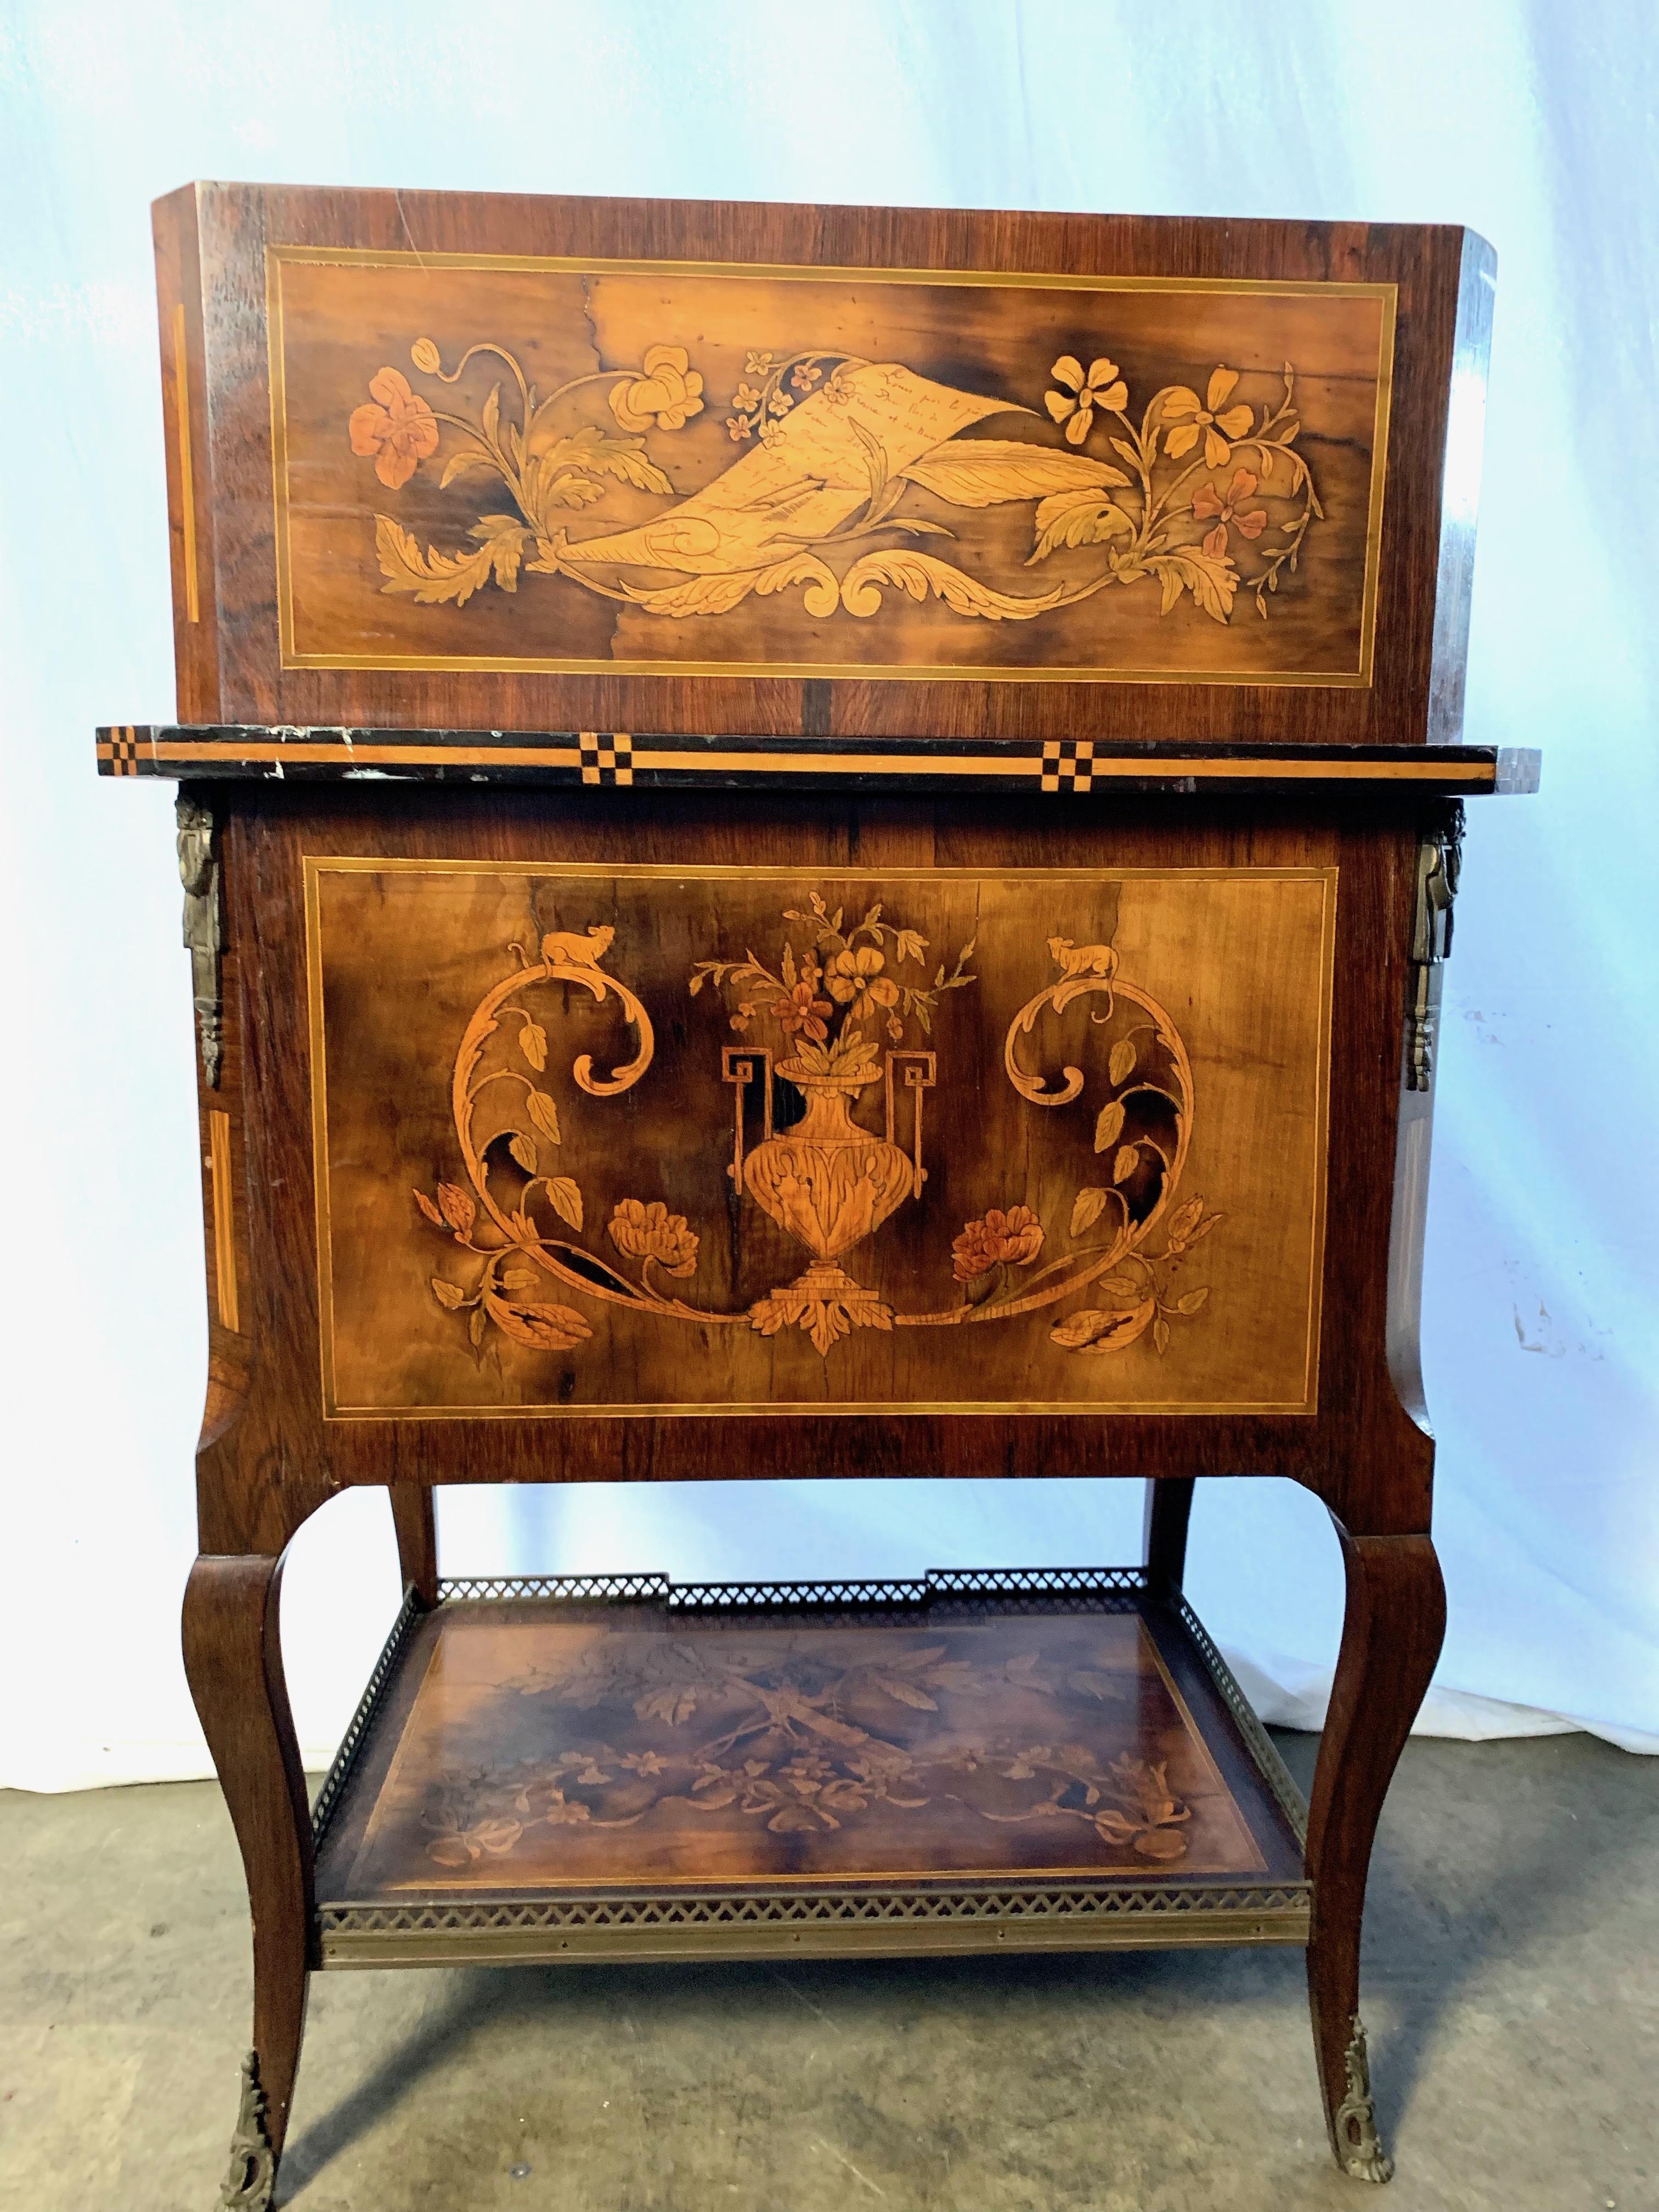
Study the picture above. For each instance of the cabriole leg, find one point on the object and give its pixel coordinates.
(1391, 1636)
(1169, 1509)
(234, 1666)
(417, 1539)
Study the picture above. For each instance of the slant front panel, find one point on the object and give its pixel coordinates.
(652, 1140)
(680, 467)
(640, 467)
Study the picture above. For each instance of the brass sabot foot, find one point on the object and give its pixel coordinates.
(249, 2182)
(1358, 2147)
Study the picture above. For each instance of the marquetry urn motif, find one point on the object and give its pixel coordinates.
(829, 1183)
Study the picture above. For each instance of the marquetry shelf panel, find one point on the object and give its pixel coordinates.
(620, 1767)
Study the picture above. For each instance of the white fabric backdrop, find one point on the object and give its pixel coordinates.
(1534, 124)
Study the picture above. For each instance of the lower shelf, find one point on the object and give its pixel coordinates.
(580, 1768)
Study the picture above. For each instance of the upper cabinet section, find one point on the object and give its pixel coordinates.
(531, 463)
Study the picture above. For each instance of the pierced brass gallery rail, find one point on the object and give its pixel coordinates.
(834, 1019)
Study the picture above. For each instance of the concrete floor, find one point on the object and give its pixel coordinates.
(1512, 1995)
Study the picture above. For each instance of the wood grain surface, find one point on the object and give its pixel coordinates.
(539, 1754)
(779, 528)
(416, 1525)
(595, 759)
(269, 1458)
(233, 1661)
(767, 1140)
(1394, 1623)
(572, 468)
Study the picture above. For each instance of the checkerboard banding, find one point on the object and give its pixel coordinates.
(1068, 764)
(606, 759)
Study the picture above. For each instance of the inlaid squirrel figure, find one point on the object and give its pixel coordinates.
(1082, 959)
(565, 948)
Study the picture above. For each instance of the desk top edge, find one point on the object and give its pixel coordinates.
(552, 758)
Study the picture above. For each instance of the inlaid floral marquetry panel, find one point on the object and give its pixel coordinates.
(651, 1140)
(501, 463)
(539, 1754)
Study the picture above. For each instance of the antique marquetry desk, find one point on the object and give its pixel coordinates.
(816, 841)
